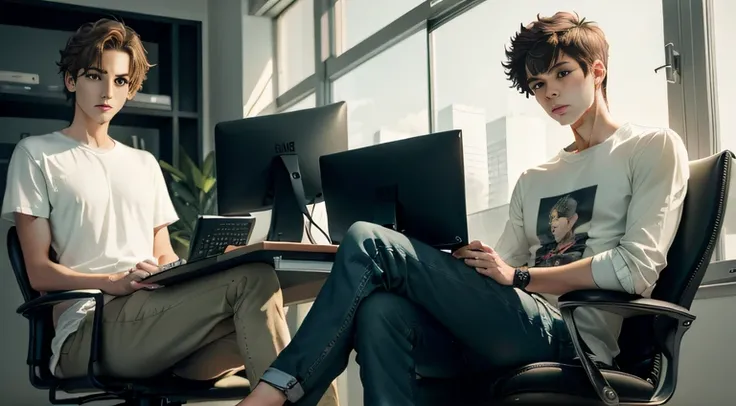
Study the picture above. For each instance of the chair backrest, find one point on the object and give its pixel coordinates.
(687, 260)
(15, 253)
(700, 228)
(41, 328)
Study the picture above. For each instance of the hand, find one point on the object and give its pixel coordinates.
(486, 261)
(127, 282)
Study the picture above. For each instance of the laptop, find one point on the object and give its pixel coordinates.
(212, 234)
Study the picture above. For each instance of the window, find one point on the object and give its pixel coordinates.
(306, 103)
(295, 31)
(387, 96)
(359, 19)
(724, 59)
(506, 133)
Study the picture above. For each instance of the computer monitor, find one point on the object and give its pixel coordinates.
(272, 162)
(415, 186)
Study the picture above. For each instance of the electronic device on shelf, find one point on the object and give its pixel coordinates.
(212, 234)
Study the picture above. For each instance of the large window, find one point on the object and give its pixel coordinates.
(295, 44)
(388, 96)
(506, 133)
(359, 19)
(724, 59)
(306, 103)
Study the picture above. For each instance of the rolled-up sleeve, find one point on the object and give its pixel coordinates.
(659, 176)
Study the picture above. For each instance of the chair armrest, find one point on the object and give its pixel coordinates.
(27, 309)
(624, 304)
(30, 308)
(627, 305)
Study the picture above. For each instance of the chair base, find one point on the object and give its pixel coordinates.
(161, 391)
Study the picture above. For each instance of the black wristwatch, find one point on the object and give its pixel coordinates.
(522, 277)
(284, 383)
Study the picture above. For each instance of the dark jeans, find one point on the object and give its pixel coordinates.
(412, 311)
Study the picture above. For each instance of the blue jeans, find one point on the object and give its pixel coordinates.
(411, 311)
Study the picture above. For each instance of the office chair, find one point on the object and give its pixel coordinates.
(652, 329)
(156, 391)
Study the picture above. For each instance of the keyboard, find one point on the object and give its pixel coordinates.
(212, 234)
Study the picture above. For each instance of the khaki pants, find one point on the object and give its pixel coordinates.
(201, 329)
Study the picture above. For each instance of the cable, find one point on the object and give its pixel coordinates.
(311, 222)
(308, 224)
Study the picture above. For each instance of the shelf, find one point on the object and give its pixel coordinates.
(57, 108)
(187, 114)
(68, 17)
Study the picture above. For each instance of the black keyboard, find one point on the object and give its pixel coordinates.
(213, 234)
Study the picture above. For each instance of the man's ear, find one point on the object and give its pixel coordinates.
(599, 71)
(70, 82)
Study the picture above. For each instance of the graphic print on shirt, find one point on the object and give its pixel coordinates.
(558, 222)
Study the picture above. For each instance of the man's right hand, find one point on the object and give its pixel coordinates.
(126, 282)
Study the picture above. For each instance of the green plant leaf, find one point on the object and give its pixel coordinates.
(182, 192)
(208, 167)
(188, 214)
(175, 227)
(208, 184)
(210, 204)
(175, 173)
(188, 166)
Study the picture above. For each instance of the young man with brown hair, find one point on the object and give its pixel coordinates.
(409, 309)
(104, 209)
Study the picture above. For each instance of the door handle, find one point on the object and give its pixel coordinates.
(672, 64)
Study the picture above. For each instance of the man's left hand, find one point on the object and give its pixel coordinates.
(486, 261)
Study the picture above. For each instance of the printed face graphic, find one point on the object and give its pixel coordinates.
(558, 223)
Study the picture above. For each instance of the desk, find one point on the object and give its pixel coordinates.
(301, 279)
(301, 268)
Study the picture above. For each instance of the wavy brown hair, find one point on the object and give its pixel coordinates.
(537, 47)
(84, 51)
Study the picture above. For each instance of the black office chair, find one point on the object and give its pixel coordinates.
(652, 329)
(157, 391)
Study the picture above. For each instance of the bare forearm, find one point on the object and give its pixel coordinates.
(561, 279)
(54, 277)
(167, 258)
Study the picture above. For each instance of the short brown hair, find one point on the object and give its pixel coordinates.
(84, 51)
(537, 47)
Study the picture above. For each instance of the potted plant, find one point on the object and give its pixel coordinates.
(193, 192)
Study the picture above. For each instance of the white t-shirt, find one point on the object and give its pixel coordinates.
(619, 202)
(102, 206)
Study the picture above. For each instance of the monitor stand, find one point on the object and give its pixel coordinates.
(385, 210)
(289, 203)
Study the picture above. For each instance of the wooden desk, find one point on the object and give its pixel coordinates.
(301, 280)
(301, 268)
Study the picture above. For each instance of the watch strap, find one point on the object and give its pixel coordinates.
(522, 277)
(285, 383)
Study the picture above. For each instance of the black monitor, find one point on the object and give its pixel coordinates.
(272, 162)
(415, 186)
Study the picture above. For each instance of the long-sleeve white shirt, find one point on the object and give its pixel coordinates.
(619, 202)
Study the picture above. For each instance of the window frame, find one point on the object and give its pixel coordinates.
(691, 102)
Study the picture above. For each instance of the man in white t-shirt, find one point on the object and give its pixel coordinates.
(104, 208)
(602, 214)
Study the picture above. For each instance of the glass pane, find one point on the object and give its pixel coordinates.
(723, 33)
(388, 96)
(506, 133)
(306, 103)
(359, 19)
(295, 44)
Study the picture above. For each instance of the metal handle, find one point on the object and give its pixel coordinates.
(672, 63)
